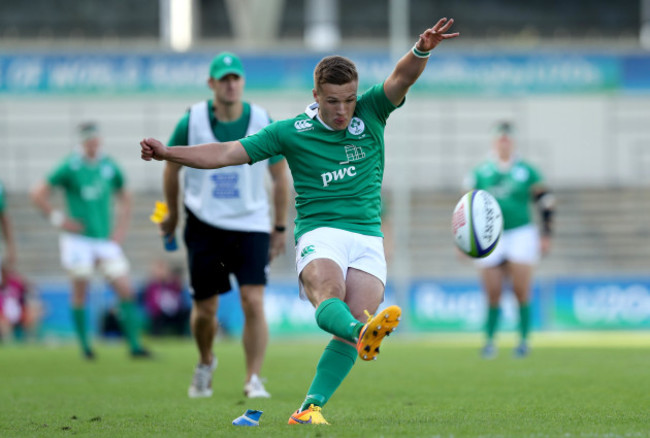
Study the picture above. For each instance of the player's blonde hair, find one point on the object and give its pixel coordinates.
(336, 70)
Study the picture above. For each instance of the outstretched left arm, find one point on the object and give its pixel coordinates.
(411, 66)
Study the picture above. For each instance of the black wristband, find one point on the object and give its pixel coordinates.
(547, 218)
(280, 228)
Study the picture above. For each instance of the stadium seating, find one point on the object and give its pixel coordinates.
(598, 232)
(595, 234)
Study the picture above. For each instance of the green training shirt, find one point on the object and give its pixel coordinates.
(337, 174)
(511, 188)
(89, 187)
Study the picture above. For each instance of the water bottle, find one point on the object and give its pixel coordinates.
(159, 214)
(169, 242)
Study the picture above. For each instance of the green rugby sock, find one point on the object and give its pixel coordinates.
(80, 328)
(129, 324)
(524, 321)
(334, 365)
(492, 322)
(334, 317)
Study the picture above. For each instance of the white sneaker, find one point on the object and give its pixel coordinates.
(255, 388)
(202, 381)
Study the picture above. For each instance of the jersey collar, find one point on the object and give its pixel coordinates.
(91, 161)
(502, 166)
(312, 110)
(312, 113)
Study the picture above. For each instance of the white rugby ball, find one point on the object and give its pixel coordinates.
(477, 223)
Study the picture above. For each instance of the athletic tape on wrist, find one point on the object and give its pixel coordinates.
(57, 218)
(419, 53)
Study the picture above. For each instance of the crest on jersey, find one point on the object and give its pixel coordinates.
(107, 171)
(520, 174)
(356, 126)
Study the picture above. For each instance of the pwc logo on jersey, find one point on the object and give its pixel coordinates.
(303, 125)
(352, 153)
(337, 175)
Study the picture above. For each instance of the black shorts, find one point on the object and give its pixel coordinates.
(214, 253)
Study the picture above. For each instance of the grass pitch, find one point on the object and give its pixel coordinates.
(570, 386)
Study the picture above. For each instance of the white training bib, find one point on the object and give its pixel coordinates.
(232, 198)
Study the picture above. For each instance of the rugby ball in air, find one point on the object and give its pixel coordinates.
(477, 223)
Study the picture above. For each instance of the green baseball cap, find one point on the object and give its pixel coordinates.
(504, 128)
(88, 130)
(224, 64)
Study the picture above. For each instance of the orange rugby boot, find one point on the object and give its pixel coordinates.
(311, 415)
(377, 327)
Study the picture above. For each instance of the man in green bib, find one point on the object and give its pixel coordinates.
(90, 181)
(335, 151)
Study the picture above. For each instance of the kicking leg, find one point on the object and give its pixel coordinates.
(364, 293)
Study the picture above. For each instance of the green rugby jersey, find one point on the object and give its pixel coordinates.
(337, 174)
(89, 187)
(511, 188)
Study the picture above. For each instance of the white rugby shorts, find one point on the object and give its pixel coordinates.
(80, 254)
(518, 245)
(347, 249)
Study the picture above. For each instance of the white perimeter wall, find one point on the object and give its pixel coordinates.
(590, 141)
